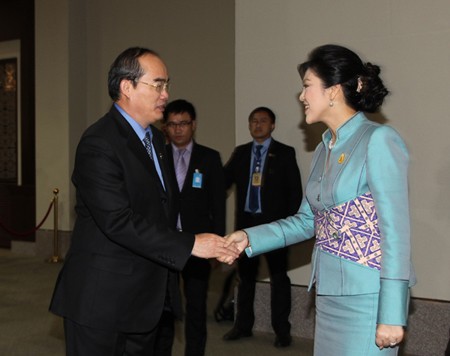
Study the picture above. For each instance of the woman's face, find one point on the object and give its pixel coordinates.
(315, 98)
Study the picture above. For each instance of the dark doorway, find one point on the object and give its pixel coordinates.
(17, 123)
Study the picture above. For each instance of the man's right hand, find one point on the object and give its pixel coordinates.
(213, 246)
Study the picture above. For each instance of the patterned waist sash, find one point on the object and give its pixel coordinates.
(350, 231)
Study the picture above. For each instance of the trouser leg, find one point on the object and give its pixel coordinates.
(165, 334)
(280, 285)
(247, 271)
(86, 341)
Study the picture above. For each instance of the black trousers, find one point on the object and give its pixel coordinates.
(165, 334)
(195, 286)
(280, 284)
(280, 291)
(85, 341)
(196, 279)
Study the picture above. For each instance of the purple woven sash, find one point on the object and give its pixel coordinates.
(350, 231)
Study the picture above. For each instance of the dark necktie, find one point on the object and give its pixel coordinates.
(148, 144)
(253, 202)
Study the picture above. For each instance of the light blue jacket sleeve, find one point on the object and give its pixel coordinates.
(387, 172)
(281, 233)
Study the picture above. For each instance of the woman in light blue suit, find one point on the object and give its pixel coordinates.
(356, 205)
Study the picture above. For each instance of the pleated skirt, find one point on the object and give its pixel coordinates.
(346, 326)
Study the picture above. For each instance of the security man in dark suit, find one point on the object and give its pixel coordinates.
(200, 191)
(268, 187)
(120, 271)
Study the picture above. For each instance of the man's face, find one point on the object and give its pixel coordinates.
(180, 129)
(261, 126)
(144, 102)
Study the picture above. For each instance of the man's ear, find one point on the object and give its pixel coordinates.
(125, 87)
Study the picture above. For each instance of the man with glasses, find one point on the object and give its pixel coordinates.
(120, 271)
(200, 186)
(268, 187)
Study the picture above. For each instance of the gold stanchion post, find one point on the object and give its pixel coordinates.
(55, 258)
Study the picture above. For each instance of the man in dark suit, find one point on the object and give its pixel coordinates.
(200, 186)
(268, 187)
(120, 271)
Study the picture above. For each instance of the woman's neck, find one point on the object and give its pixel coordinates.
(339, 119)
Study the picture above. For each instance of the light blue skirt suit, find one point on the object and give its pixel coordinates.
(361, 269)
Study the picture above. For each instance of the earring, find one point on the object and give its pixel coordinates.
(331, 103)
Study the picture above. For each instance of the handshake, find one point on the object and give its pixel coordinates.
(226, 249)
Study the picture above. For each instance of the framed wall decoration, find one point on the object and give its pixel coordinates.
(10, 113)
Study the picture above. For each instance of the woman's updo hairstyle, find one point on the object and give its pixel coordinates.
(363, 88)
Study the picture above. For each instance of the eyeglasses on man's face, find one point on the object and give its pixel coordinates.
(260, 121)
(182, 124)
(160, 85)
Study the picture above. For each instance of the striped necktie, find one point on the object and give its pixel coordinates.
(181, 168)
(148, 144)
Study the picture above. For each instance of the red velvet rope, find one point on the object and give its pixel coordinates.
(32, 231)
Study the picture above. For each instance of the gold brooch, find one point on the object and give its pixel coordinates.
(341, 158)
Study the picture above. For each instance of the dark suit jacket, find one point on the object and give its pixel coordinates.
(202, 209)
(122, 252)
(281, 187)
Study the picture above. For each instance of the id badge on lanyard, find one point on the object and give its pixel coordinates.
(197, 180)
(256, 177)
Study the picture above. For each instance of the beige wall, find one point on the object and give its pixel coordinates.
(76, 41)
(52, 109)
(409, 39)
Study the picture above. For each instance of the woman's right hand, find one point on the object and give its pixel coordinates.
(389, 335)
(238, 238)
